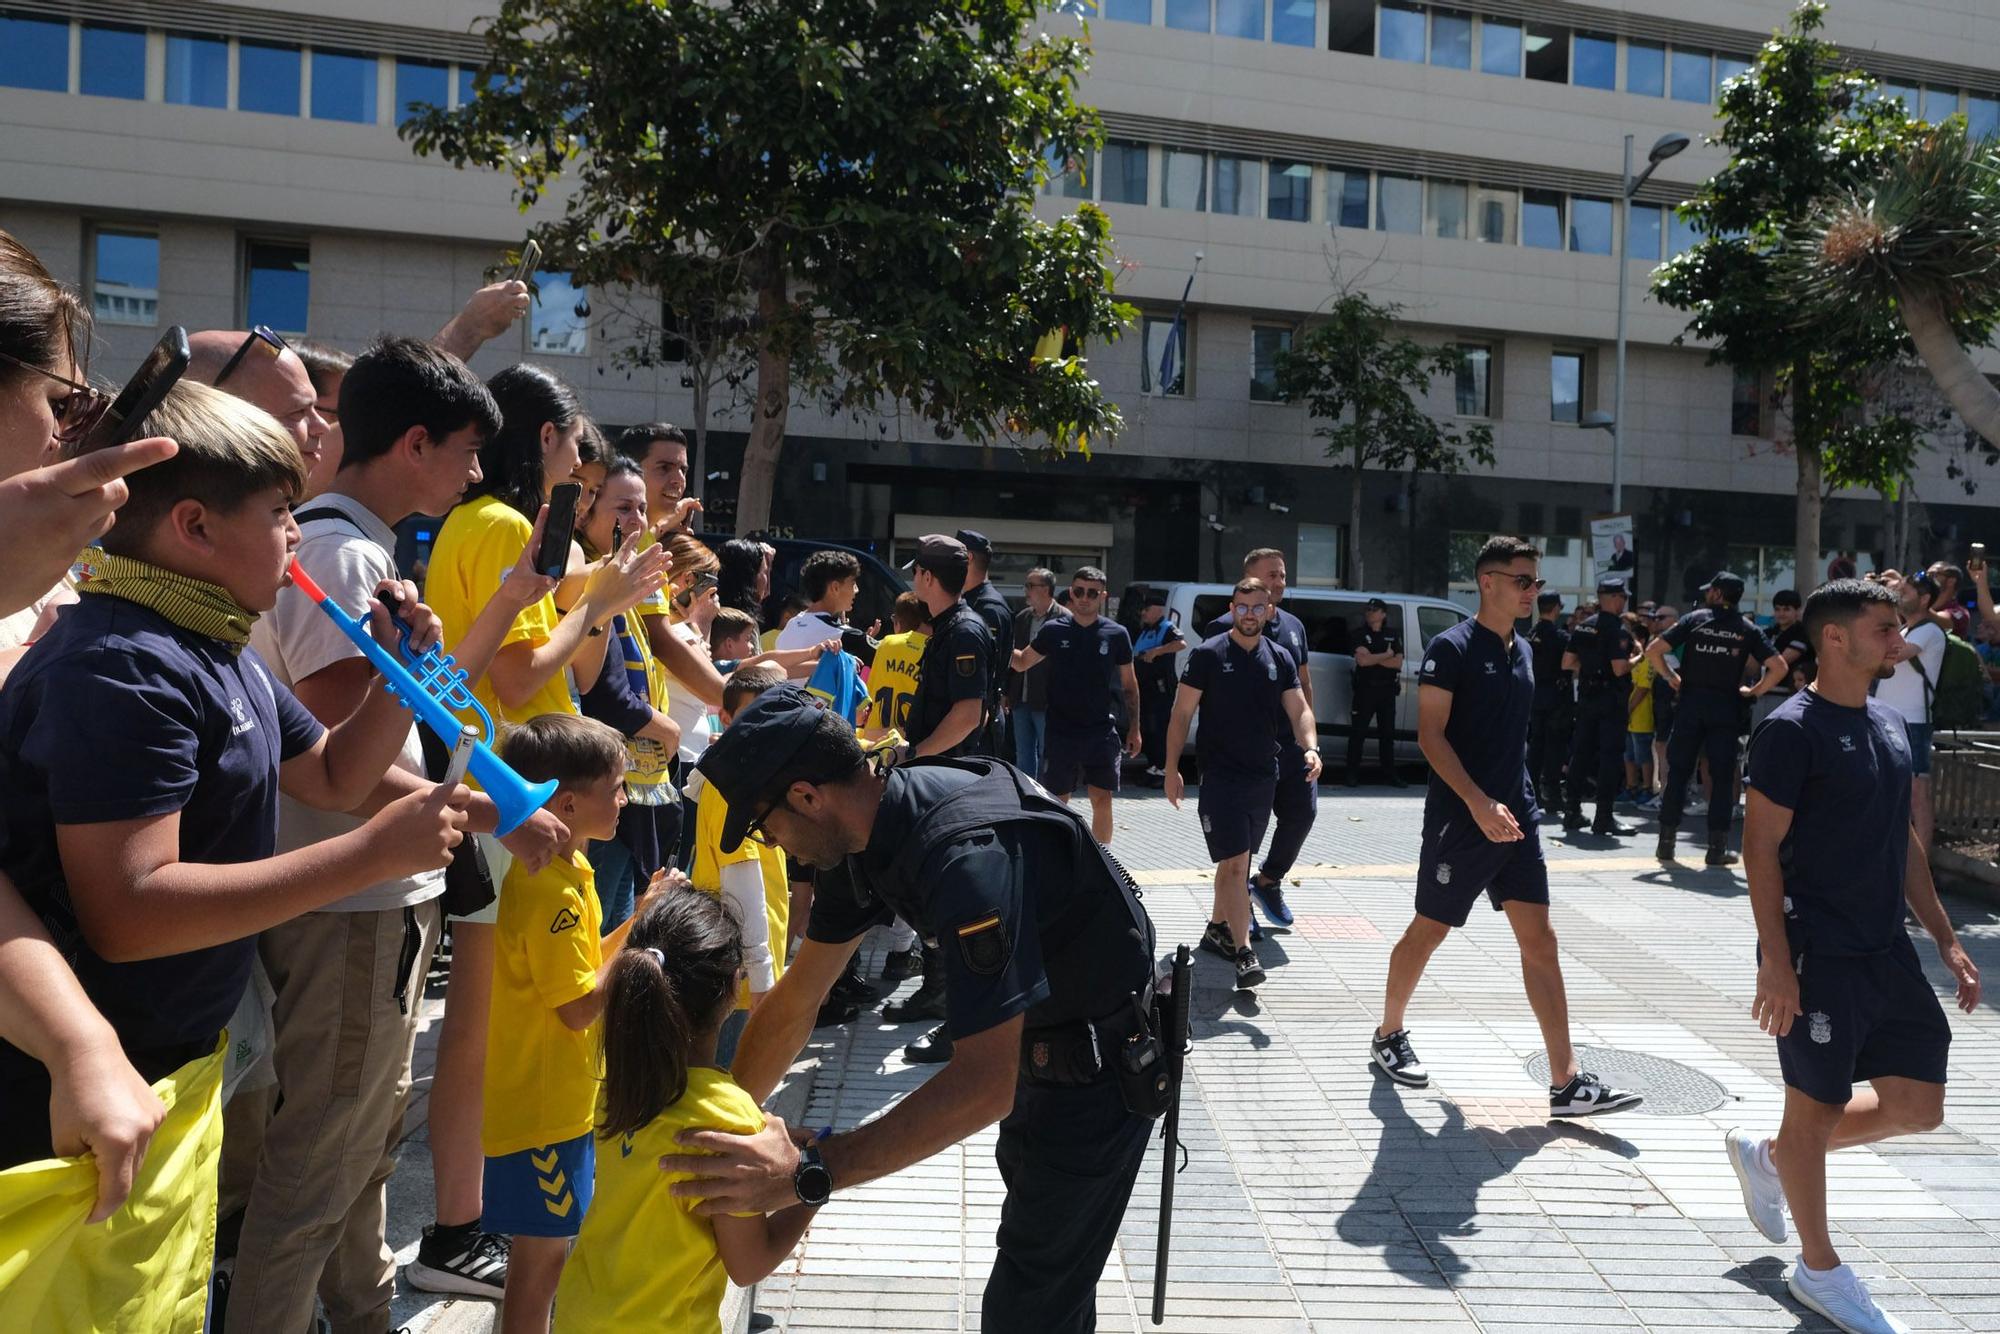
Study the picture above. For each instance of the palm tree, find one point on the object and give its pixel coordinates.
(1922, 240)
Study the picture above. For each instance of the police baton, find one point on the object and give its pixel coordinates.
(1176, 1035)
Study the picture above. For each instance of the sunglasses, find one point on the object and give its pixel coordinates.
(77, 411)
(1524, 582)
(261, 334)
(1086, 592)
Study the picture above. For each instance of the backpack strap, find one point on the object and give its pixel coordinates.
(306, 516)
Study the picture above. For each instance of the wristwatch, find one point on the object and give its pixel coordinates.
(810, 1179)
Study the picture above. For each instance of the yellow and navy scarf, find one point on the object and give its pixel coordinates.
(195, 605)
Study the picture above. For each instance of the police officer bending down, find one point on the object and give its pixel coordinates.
(1715, 641)
(1048, 961)
(1600, 653)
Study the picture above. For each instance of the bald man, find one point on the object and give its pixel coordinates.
(265, 375)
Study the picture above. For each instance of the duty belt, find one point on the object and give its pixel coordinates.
(1074, 1053)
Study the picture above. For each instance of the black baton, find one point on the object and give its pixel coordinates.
(1176, 1043)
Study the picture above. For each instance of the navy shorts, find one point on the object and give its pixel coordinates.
(1069, 759)
(1234, 813)
(1458, 864)
(539, 1192)
(1863, 1018)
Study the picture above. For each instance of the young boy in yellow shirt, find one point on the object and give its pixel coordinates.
(548, 989)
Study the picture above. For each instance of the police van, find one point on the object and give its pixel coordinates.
(1333, 622)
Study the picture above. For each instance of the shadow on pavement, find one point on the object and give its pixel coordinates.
(1766, 1278)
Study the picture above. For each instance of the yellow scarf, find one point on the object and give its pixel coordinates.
(195, 605)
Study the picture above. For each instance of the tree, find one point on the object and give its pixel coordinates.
(1800, 127)
(857, 177)
(1362, 383)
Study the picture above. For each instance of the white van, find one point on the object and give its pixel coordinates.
(1332, 618)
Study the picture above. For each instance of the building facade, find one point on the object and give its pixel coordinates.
(219, 165)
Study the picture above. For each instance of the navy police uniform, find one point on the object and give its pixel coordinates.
(1598, 746)
(1549, 726)
(1085, 665)
(1865, 1007)
(1492, 686)
(1295, 800)
(1373, 701)
(993, 609)
(1240, 691)
(1156, 683)
(1714, 645)
(957, 665)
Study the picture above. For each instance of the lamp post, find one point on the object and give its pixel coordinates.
(1663, 148)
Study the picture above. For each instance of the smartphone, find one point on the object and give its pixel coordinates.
(1979, 551)
(552, 559)
(702, 583)
(617, 537)
(159, 372)
(531, 255)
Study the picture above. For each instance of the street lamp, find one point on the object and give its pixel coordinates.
(1663, 148)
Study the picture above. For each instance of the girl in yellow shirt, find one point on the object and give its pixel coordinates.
(645, 1259)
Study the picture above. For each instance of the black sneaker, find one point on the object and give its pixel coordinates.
(1587, 1095)
(1249, 973)
(932, 1048)
(1664, 849)
(901, 965)
(835, 1012)
(926, 1002)
(1271, 898)
(1394, 1057)
(853, 988)
(1573, 820)
(1215, 938)
(1611, 829)
(1719, 853)
(469, 1262)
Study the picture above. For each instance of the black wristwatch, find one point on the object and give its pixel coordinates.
(810, 1179)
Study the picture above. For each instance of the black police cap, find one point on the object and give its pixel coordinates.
(758, 748)
(1377, 604)
(1731, 585)
(976, 541)
(1611, 583)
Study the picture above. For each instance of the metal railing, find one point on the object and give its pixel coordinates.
(1965, 784)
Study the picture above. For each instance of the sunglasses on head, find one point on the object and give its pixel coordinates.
(261, 334)
(77, 411)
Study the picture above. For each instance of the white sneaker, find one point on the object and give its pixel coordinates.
(1763, 1194)
(1841, 1296)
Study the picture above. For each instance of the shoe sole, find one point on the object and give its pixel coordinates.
(425, 1279)
(1811, 1303)
(1407, 1080)
(1750, 1196)
(1625, 1104)
(1274, 919)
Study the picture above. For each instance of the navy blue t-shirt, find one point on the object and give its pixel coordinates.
(1240, 691)
(1844, 774)
(118, 715)
(1492, 685)
(1284, 631)
(1083, 664)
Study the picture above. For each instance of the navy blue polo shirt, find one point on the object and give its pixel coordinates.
(1240, 692)
(1284, 631)
(1844, 774)
(1083, 663)
(117, 714)
(1492, 685)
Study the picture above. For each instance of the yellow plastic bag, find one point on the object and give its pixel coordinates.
(143, 1270)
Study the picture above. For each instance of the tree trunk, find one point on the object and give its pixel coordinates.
(1969, 392)
(1355, 578)
(1806, 434)
(704, 386)
(759, 474)
(1410, 529)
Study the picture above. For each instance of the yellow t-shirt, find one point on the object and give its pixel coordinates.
(478, 543)
(706, 875)
(1642, 685)
(541, 1074)
(645, 1259)
(892, 681)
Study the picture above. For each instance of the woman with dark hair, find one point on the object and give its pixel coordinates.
(745, 578)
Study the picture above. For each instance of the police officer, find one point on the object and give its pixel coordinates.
(1715, 642)
(993, 609)
(1049, 966)
(1600, 653)
(1549, 725)
(1378, 662)
(1154, 652)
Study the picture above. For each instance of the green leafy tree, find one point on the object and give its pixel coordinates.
(1800, 127)
(856, 177)
(1363, 384)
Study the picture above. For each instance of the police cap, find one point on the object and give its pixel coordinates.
(1377, 604)
(783, 736)
(941, 555)
(976, 541)
(1729, 585)
(1546, 600)
(1156, 598)
(1611, 583)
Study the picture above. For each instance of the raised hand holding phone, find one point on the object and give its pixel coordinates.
(559, 530)
(146, 390)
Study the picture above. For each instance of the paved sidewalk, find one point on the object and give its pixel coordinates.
(1321, 1198)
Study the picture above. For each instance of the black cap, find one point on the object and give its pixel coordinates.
(1611, 583)
(1546, 600)
(1156, 599)
(940, 555)
(975, 540)
(1786, 597)
(1730, 585)
(1377, 604)
(747, 758)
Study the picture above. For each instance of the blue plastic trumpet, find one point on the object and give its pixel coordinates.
(432, 687)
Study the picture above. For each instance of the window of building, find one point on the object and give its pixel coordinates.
(1681, 234)
(1901, 92)
(1290, 197)
(1128, 11)
(1646, 69)
(1399, 204)
(1474, 388)
(125, 277)
(343, 86)
(468, 84)
(1746, 402)
(1191, 15)
(1594, 61)
(1319, 555)
(1183, 179)
(1350, 26)
(1068, 177)
(1292, 22)
(1940, 104)
(1542, 219)
(1122, 172)
(1402, 32)
(1500, 47)
(267, 79)
(34, 53)
(1493, 211)
(1163, 356)
(1982, 116)
(1566, 387)
(1646, 232)
(1236, 185)
(1590, 225)
(1444, 210)
(197, 70)
(1451, 39)
(1240, 18)
(114, 61)
(1266, 344)
(277, 285)
(1692, 76)
(420, 83)
(1727, 68)
(1547, 49)
(1347, 198)
(559, 318)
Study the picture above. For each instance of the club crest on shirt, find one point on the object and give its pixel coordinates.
(1822, 1027)
(1492, 668)
(1103, 648)
(1271, 670)
(244, 722)
(1444, 873)
(1847, 744)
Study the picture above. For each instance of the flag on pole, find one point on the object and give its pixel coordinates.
(1173, 356)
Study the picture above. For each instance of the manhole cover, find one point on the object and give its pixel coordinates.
(1671, 1089)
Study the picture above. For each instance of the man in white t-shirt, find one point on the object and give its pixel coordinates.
(1909, 689)
(829, 580)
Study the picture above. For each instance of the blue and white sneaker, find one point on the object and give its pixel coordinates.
(1271, 898)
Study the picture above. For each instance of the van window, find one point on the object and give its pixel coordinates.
(1434, 621)
(1207, 607)
(1334, 625)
